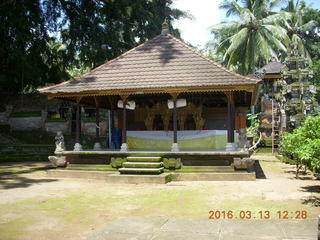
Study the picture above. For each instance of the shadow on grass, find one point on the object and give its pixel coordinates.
(259, 171)
(8, 172)
(303, 175)
(312, 200)
(311, 188)
(13, 179)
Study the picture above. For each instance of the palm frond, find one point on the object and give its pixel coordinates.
(229, 7)
(236, 41)
(277, 3)
(278, 18)
(309, 25)
(229, 26)
(300, 45)
(274, 42)
(278, 32)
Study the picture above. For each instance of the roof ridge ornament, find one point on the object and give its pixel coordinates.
(165, 27)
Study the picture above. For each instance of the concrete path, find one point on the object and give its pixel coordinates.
(137, 228)
(266, 158)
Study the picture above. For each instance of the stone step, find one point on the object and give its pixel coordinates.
(141, 170)
(142, 164)
(144, 159)
(199, 169)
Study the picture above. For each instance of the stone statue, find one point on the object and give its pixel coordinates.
(60, 147)
(243, 141)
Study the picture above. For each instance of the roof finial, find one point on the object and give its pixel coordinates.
(165, 27)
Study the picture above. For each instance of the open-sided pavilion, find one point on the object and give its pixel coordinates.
(153, 75)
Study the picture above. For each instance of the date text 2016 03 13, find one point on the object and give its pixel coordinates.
(247, 214)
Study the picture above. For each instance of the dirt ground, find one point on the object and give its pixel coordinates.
(33, 206)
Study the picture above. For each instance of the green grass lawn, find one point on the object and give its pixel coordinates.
(33, 206)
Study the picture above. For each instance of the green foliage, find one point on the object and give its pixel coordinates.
(316, 76)
(253, 38)
(300, 28)
(303, 144)
(258, 32)
(49, 41)
(253, 125)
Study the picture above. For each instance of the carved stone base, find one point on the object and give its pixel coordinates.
(124, 147)
(243, 163)
(117, 162)
(231, 147)
(97, 146)
(58, 161)
(175, 147)
(172, 163)
(77, 147)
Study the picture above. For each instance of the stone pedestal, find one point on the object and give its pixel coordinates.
(58, 161)
(243, 163)
(175, 147)
(231, 147)
(77, 147)
(124, 147)
(97, 146)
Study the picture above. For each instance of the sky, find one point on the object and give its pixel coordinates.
(206, 13)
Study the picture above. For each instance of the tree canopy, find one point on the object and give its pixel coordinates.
(260, 31)
(47, 41)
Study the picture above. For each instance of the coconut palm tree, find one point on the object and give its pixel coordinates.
(254, 37)
(297, 28)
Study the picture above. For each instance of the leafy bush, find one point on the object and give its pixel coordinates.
(253, 125)
(303, 145)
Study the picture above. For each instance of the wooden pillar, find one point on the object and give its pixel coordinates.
(231, 146)
(97, 145)
(78, 123)
(77, 145)
(175, 146)
(97, 125)
(175, 124)
(110, 120)
(124, 145)
(230, 123)
(124, 123)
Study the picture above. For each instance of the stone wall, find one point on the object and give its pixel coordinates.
(89, 128)
(25, 123)
(54, 127)
(3, 118)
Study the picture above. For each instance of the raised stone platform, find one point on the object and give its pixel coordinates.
(111, 177)
(188, 158)
(115, 177)
(99, 175)
(215, 176)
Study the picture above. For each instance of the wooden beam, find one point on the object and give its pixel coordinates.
(127, 92)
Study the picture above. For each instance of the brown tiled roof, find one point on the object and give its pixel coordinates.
(161, 62)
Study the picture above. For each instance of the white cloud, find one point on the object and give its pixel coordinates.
(205, 12)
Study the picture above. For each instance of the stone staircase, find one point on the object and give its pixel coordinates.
(142, 165)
